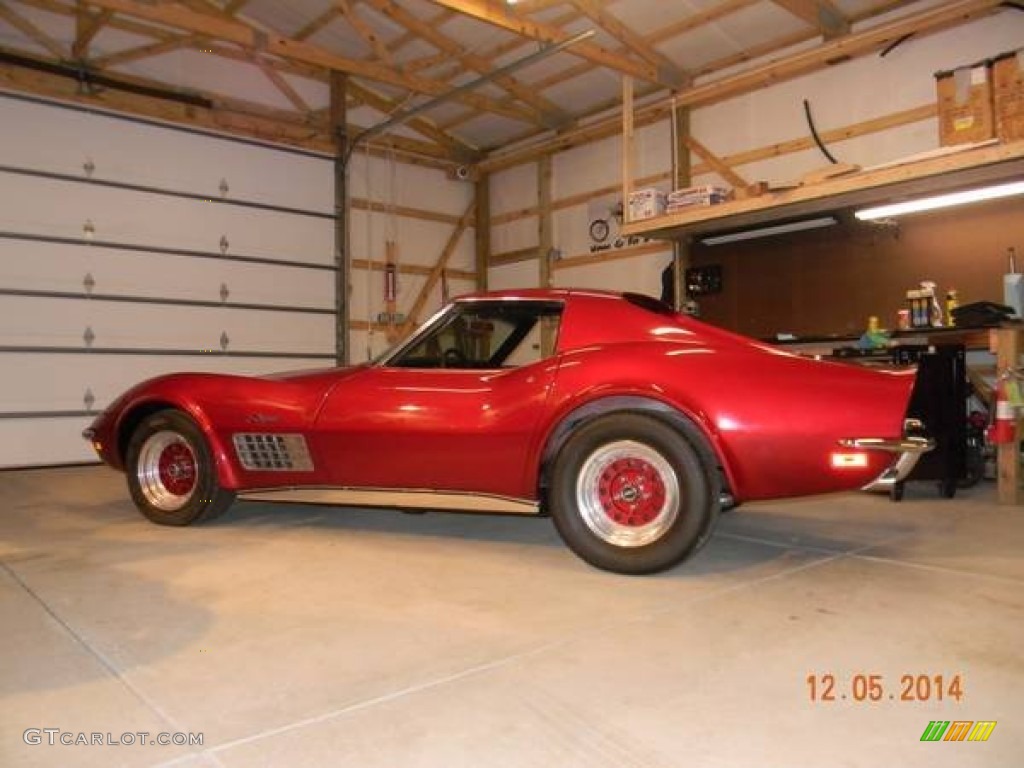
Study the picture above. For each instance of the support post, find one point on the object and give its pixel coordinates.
(627, 145)
(681, 177)
(545, 236)
(342, 258)
(545, 243)
(483, 230)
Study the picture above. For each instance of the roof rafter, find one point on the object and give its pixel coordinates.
(87, 26)
(317, 23)
(246, 36)
(823, 15)
(596, 12)
(144, 51)
(31, 31)
(493, 14)
(658, 36)
(365, 31)
(423, 126)
(550, 113)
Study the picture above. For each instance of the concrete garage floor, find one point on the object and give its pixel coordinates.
(298, 636)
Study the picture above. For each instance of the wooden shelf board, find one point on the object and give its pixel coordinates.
(982, 165)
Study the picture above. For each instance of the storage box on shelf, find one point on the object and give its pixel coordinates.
(1008, 95)
(966, 110)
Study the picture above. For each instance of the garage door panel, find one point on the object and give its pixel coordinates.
(37, 442)
(44, 322)
(46, 266)
(42, 206)
(61, 140)
(39, 383)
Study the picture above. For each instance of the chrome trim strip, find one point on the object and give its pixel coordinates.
(386, 497)
(904, 445)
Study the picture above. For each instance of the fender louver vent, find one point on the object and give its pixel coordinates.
(273, 453)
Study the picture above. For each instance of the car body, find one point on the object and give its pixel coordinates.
(627, 422)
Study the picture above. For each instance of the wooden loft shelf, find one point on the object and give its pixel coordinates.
(989, 164)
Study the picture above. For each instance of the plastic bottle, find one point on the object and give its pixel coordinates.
(952, 302)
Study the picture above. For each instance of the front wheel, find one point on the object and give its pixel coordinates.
(171, 474)
(630, 494)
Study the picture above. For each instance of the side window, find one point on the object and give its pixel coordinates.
(486, 335)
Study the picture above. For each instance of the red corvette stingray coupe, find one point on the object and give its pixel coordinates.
(629, 424)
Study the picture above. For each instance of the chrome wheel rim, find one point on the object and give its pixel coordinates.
(167, 471)
(627, 494)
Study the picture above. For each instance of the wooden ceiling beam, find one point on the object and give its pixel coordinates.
(32, 32)
(232, 31)
(408, 37)
(87, 26)
(457, 148)
(366, 32)
(221, 113)
(545, 33)
(149, 50)
(658, 36)
(631, 41)
(823, 15)
(317, 23)
(278, 81)
(549, 113)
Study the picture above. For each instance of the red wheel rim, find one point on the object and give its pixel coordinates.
(177, 467)
(631, 491)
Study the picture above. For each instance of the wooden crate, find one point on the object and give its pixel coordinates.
(966, 111)
(1008, 95)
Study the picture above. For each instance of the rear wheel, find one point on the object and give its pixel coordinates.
(631, 494)
(171, 474)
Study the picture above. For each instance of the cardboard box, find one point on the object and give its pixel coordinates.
(646, 204)
(1008, 95)
(966, 110)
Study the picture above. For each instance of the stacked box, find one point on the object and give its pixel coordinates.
(705, 194)
(966, 111)
(1008, 95)
(646, 204)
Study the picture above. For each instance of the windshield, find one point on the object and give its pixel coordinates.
(483, 335)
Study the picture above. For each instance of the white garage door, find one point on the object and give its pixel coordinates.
(130, 249)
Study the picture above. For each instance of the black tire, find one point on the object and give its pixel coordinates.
(171, 474)
(631, 494)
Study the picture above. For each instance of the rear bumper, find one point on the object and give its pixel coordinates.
(908, 450)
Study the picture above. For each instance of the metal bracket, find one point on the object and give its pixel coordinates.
(88, 229)
(224, 292)
(89, 399)
(88, 337)
(88, 166)
(88, 282)
(224, 341)
(224, 244)
(224, 188)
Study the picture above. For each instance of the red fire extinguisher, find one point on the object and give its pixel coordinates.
(1003, 429)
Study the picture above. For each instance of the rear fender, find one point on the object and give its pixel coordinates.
(696, 431)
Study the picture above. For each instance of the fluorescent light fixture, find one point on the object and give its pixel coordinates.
(942, 201)
(775, 229)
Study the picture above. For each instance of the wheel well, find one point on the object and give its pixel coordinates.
(131, 420)
(640, 405)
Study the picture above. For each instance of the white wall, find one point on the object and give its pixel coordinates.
(420, 242)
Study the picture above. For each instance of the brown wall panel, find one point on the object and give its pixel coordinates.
(828, 281)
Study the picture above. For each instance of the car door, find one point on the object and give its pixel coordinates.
(455, 410)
